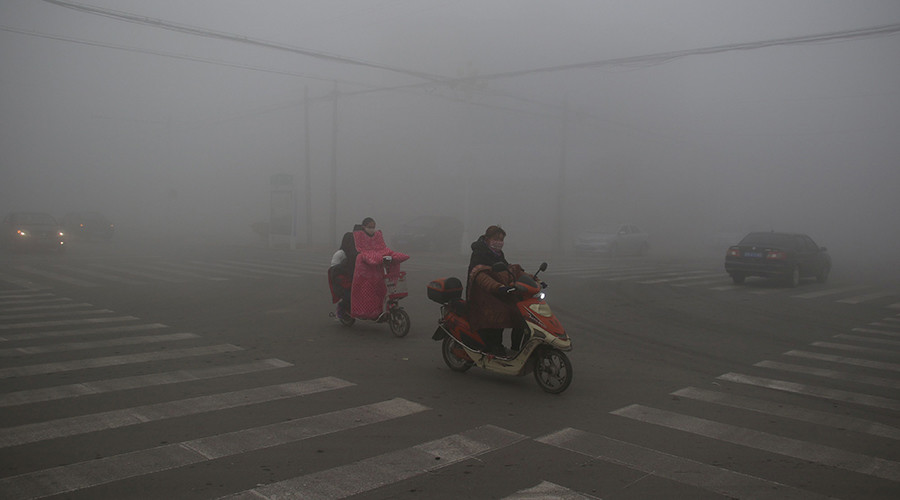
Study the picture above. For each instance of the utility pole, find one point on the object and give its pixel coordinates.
(561, 186)
(307, 205)
(334, 134)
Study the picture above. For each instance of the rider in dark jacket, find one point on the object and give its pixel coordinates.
(489, 311)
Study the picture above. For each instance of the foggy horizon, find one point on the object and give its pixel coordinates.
(169, 132)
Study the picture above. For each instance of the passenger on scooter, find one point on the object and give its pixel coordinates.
(489, 309)
(368, 289)
(340, 273)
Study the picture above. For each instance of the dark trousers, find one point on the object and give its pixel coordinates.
(493, 337)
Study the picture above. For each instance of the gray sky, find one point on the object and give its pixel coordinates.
(161, 128)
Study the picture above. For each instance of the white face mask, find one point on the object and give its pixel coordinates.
(369, 230)
(496, 245)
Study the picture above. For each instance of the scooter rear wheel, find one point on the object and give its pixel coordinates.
(552, 370)
(399, 321)
(455, 362)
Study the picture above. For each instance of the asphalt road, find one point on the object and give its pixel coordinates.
(197, 371)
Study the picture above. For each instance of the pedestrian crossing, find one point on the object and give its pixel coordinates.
(818, 372)
(28, 343)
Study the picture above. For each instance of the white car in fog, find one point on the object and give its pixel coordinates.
(616, 239)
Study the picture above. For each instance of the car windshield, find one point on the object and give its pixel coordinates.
(33, 219)
(776, 239)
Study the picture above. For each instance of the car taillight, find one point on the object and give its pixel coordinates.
(776, 256)
(734, 252)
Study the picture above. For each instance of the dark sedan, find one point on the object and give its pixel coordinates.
(785, 256)
(32, 230)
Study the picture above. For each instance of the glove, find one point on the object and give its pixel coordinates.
(505, 290)
(387, 258)
(543, 285)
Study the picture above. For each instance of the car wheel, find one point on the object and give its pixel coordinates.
(794, 277)
(738, 278)
(822, 277)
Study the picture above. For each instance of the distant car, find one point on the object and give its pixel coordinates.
(617, 239)
(32, 231)
(88, 225)
(429, 232)
(785, 256)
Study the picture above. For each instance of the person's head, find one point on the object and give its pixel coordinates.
(368, 225)
(494, 236)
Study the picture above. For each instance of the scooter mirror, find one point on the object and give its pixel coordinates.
(543, 267)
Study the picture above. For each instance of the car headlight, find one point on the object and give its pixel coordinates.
(61, 234)
(22, 233)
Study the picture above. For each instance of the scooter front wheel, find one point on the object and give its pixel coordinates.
(456, 363)
(552, 370)
(399, 322)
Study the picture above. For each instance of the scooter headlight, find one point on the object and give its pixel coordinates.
(541, 309)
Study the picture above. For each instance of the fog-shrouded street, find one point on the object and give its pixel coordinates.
(199, 372)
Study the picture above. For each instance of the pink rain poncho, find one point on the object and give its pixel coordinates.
(368, 290)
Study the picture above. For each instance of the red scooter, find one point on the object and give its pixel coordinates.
(542, 346)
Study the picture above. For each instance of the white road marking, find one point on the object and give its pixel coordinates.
(83, 321)
(81, 364)
(810, 390)
(802, 450)
(865, 298)
(105, 470)
(78, 346)
(32, 301)
(136, 382)
(879, 332)
(83, 331)
(55, 276)
(102, 276)
(54, 314)
(832, 374)
(834, 420)
(371, 473)
(842, 359)
(68, 305)
(546, 490)
(847, 347)
(682, 470)
(52, 429)
(868, 339)
(132, 272)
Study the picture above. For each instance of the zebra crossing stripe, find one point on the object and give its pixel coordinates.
(847, 347)
(809, 390)
(679, 277)
(283, 270)
(864, 298)
(20, 282)
(842, 359)
(879, 332)
(133, 272)
(32, 301)
(71, 305)
(256, 270)
(802, 450)
(41, 324)
(83, 331)
(546, 490)
(103, 276)
(163, 268)
(827, 292)
(5, 298)
(77, 346)
(136, 382)
(55, 276)
(832, 374)
(682, 470)
(868, 339)
(215, 269)
(790, 411)
(105, 470)
(82, 364)
(371, 473)
(33, 315)
(42, 431)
